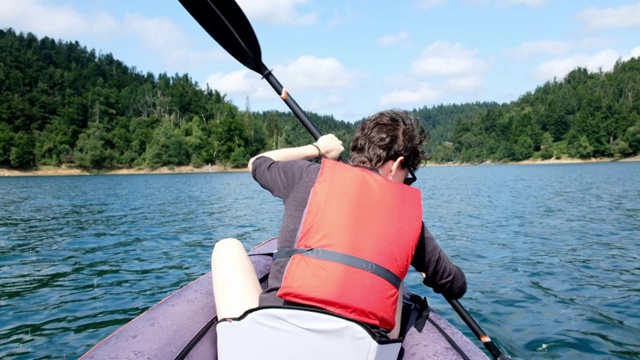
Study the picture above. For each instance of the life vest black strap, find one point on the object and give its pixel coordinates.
(343, 259)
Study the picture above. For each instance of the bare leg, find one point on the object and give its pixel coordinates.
(395, 333)
(235, 285)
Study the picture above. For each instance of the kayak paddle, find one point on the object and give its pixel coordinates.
(227, 24)
(475, 328)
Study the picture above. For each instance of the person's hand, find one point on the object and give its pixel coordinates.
(330, 146)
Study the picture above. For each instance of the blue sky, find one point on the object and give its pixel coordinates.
(352, 58)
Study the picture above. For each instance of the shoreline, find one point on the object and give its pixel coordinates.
(66, 171)
(70, 171)
(551, 161)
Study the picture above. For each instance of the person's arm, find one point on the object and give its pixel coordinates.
(439, 272)
(327, 146)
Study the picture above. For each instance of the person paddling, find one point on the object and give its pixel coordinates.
(348, 236)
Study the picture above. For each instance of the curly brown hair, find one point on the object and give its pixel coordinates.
(388, 135)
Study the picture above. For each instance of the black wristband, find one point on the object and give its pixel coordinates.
(319, 151)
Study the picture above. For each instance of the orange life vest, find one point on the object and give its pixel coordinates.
(355, 244)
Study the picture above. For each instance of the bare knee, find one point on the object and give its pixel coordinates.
(226, 246)
(230, 243)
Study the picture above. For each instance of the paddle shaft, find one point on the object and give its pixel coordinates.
(292, 104)
(475, 328)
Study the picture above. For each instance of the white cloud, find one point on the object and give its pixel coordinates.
(428, 4)
(635, 52)
(242, 82)
(159, 34)
(312, 73)
(53, 21)
(444, 59)
(546, 47)
(558, 68)
(390, 40)
(610, 18)
(421, 95)
(322, 78)
(326, 101)
(450, 69)
(277, 11)
(595, 43)
(155, 32)
(466, 84)
(530, 3)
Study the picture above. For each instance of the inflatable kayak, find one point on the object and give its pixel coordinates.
(181, 326)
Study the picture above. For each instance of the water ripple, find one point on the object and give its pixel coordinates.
(550, 252)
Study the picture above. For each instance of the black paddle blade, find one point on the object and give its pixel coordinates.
(227, 24)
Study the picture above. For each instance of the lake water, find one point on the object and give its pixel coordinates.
(551, 252)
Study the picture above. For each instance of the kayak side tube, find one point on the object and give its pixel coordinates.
(181, 327)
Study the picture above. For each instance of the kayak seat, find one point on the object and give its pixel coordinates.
(288, 333)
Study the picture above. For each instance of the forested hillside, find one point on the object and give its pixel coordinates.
(585, 115)
(62, 104)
